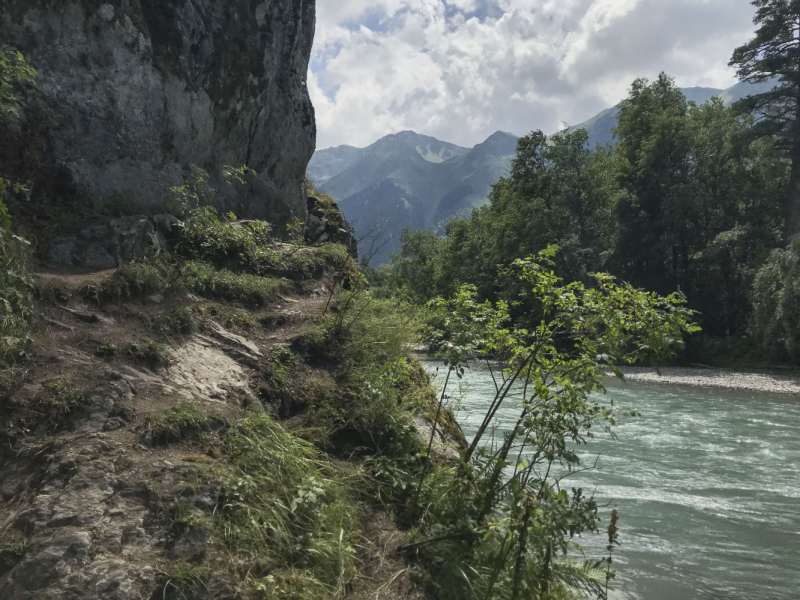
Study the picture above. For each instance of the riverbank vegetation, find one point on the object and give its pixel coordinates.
(500, 523)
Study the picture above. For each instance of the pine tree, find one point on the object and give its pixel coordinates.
(775, 53)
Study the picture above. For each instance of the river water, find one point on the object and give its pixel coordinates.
(706, 482)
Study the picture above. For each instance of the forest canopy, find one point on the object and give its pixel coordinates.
(688, 199)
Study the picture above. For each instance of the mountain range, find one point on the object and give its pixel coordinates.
(409, 179)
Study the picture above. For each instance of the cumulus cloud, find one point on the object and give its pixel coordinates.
(461, 69)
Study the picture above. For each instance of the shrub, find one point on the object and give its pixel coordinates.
(14, 74)
(499, 524)
(205, 237)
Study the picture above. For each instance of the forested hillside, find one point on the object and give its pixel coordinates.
(690, 198)
(416, 181)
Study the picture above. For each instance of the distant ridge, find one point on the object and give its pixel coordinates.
(600, 126)
(409, 179)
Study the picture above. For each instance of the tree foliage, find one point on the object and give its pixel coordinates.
(776, 302)
(687, 199)
(503, 524)
(774, 54)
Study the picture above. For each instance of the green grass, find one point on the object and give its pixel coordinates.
(250, 290)
(62, 397)
(154, 354)
(158, 276)
(364, 343)
(182, 422)
(287, 509)
(180, 321)
(138, 279)
(13, 549)
(16, 306)
(107, 351)
(229, 317)
(183, 582)
(307, 263)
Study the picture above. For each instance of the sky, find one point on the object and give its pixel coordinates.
(459, 70)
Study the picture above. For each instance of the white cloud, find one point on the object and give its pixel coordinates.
(461, 69)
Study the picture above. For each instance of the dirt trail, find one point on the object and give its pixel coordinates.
(82, 493)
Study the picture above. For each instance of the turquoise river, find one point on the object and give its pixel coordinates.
(707, 484)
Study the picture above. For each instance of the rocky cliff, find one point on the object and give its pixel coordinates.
(132, 93)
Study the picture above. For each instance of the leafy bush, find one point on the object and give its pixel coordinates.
(775, 323)
(14, 74)
(499, 524)
(205, 237)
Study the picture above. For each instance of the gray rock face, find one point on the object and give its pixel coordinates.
(108, 245)
(131, 93)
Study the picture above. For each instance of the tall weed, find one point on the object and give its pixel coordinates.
(285, 510)
(16, 304)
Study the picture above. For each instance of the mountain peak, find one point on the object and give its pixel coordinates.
(500, 143)
(501, 134)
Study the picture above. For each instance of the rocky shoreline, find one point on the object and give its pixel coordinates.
(717, 378)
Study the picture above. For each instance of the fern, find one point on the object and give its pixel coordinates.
(583, 578)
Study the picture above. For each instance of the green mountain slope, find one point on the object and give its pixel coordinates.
(407, 179)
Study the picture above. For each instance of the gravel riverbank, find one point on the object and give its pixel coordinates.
(717, 378)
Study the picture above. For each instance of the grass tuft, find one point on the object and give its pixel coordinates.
(181, 321)
(179, 423)
(184, 583)
(286, 510)
(137, 279)
(154, 354)
(251, 290)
